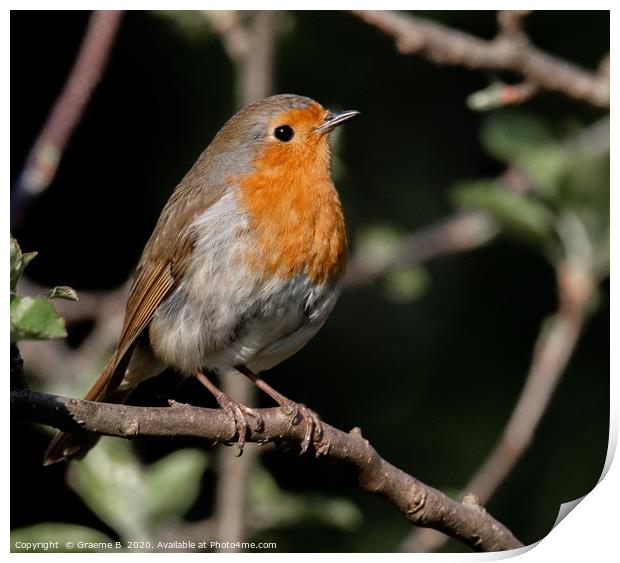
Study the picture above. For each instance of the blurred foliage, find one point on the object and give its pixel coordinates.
(376, 247)
(138, 501)
(191, 23)
(430, 372)
(34, 318)
(516, 212)
(134, 499)
(564, 209)
(271, 507)
(403, 285)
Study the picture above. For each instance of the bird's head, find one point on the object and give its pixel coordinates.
(284, 133)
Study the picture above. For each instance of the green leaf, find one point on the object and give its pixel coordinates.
(523, 215)
(173, 483)
(19, 262)
(34, 318)
(62, 292)
(52, 534)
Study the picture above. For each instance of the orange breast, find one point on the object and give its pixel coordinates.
(295, 213)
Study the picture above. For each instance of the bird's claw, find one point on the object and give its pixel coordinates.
(238, 413)
(314, 429)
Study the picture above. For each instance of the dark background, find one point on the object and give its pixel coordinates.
(431, 382)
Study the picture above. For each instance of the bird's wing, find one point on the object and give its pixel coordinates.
(152, 285)
(162, 266)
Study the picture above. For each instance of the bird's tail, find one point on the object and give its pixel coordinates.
(66, 446)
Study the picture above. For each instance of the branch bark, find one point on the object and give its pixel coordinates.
(420, 503)
(510, 50)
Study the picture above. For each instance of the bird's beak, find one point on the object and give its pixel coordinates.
(334, 119)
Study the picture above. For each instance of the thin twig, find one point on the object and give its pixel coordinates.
(229, 26)
(510, 22)
(460, 232)
(421, 504)
(510, 50)
(255, 69)
(46, 153)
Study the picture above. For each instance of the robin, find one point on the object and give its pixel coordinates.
(243, 267)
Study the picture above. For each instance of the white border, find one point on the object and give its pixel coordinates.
(589, 531)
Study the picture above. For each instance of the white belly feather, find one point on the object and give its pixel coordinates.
(223, 315)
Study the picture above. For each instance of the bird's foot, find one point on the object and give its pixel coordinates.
(298, 412)
(301, 413)
(239, 413)
(236, 411)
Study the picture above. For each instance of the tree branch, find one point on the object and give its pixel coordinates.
(510, 50)
(421, 504)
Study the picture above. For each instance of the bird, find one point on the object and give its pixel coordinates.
(242, 269)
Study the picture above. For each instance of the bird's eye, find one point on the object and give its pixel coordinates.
(284, 133)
